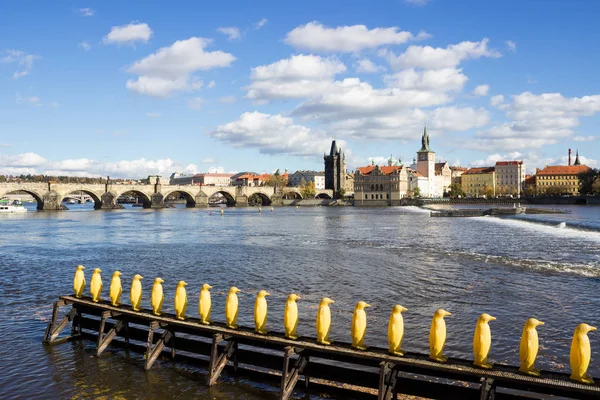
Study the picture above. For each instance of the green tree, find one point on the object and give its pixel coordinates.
(276, 180)
(341, 193)
(488, 191)
(587, 180)
(455, 190)
(417, 192)
(529, 191)
(2, 178)
(596, 186)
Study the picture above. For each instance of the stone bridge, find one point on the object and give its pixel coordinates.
(49, 196)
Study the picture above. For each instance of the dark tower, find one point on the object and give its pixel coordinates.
(577, 162)
(335, 169)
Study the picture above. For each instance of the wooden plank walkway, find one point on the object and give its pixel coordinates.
(374, 368)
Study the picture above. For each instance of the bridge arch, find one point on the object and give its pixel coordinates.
(190, 199)
(142, 197)
(292, 195)
(323, 196)
(97, 199)
(229, 199)
(38, 198)
(259, 198)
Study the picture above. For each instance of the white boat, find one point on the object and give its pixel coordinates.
(7, 206)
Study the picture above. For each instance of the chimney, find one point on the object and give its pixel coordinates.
(569, 156)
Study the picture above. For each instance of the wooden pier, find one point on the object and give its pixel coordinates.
(337, 369)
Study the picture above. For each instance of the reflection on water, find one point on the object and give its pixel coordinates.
(512, 268)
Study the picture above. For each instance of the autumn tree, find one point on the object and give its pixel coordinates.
(307, 189)
(488, 191)
(455, 190)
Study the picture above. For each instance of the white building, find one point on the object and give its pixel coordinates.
(510, 177)
(207, 179)
(432, 179)
(317, 177)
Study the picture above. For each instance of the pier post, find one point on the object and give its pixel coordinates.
(290, 378)
(219, 361)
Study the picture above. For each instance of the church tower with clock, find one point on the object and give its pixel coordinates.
(426, 158)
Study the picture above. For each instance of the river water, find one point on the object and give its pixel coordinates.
(543, 266)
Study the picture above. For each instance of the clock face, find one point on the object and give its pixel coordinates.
(423, 157)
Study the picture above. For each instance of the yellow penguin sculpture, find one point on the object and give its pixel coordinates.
(290, 316)
(115, 288)
(231, 308)
(260, 312)
(158, 296)
(324, 321)
(136, 292)
(581, 353)
(482, 341)
(204, 304)
(96, 285)
(359, 325)
(79, 281)
(437, 335)
(396, 330)
(180, 300)
(529, 347)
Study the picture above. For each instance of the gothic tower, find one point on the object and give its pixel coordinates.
(335, 169)
(426, 157)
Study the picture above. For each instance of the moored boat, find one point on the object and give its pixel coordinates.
(8, 206)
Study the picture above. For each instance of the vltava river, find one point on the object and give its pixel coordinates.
(512, 268)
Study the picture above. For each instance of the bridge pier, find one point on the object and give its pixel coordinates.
(201, 200)
(157, 201)
(241, 200)
(108, 202)
(277, 200)
(50, 202)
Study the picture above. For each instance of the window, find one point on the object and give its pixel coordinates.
(387, 196)
(372, 188)
(372, 197)
(366, 197)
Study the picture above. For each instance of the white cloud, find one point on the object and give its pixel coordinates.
(512, 46)
(87, 12)
(24, 61)
(153, 114)
(170, 68)
(584, 138)
(232, 33)
(481, 90)
(227, 99)
(85, 46)
(208, 161)
(211, 84)
(195, 103)
(419, 3)
(260, 23)
(537, 120)
(381, 160)
(497, 101)
(129, 34)
(368, 67)
(295, 77)
(22, 160)
(440, 80)
(33, 100)
(346, 39)
(434, 58)
(273, 134)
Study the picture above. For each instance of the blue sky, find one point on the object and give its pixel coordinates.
(129, 88)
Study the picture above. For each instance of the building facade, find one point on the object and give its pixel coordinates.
(335, 169)
(375, 185)
(206, 179)
(318, 177)
(510, 177)
(475, 181)
(560, 179)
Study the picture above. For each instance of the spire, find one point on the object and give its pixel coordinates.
(390, 161)
(577, 162)
(425, 141)
(334, 148)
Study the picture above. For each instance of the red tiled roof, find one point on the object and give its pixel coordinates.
(439, 166)
(564, 170)
(384, 170)
(458, 169)
(484, 170)
(509, 162)
(246, 176)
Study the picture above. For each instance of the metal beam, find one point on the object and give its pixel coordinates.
(104, 340)
(219, 361)
(387, 381)
(290, 378)
(488, 389)
(152, 353)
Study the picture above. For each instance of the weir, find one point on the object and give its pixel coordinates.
(337, 369)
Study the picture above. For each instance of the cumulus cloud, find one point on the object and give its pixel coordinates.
(87, 12)
(232, 32)
(497, 101)
(32, 163)
(24, 61)
(273, 134)
(170, 69)
(584, 138)
(211, 84)
(437, 57)
(538, 120)
(85, 46)
(129, 34)
(367, 66)
(512, 46)
(481, 90)
(295, 77)
(346, 39)
(260, 23)
(439, 80)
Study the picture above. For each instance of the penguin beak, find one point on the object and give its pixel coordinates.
(237, 290)
(367, 305)
(402, 309)
(82, 267)
(267, 294)
(492, 318)
(99, 270)
(184, 283)
(298, 298)
(447, 314)
(541, 323)
(593, 328)
(210, 287)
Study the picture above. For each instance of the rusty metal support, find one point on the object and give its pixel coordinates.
(152, 353)
(219, 361)
(53, 329)
(290, 378)
(104, 340)
(387, 381)
(488, 389)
